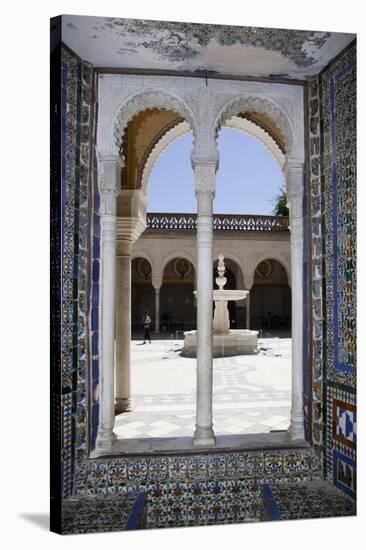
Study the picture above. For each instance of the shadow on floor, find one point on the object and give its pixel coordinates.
(41, 520)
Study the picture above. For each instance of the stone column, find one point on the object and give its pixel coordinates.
(248, 312)
(128, 231)
(123, 327)
(294, 184)
(109, 186)
(248, 280)
(157, 282)
(204, 168)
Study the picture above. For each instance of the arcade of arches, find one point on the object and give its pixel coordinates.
(270, 294)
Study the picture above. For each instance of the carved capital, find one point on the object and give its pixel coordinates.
(132, 203)
(129, 229)
(110, 164)
(205, 180)
(294, 171)
(205, 160)
(157, 281)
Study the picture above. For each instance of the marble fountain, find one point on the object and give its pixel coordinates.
(226, 341)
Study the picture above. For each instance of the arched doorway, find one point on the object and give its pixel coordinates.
(178, 312)
(271, 298)
(142, 294)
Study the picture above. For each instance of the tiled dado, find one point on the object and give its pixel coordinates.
(113, 475)
(198, 489)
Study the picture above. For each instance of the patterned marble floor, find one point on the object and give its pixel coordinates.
(251, 392)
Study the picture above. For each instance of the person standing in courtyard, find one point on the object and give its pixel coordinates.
(146, 322)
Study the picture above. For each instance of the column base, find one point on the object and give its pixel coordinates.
(105, 440)
(123, 405)
(296, 430)
(203, 437)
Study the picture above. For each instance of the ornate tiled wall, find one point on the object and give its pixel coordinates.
(75, 175)
(332, 122)
(198, 489)
(316, 262)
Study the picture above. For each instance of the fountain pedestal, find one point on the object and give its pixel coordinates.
(226, 342)
(236, 342)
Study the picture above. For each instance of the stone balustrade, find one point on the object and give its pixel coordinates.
(221, 222)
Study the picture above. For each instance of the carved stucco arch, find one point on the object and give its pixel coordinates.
(163, 143)
(145, 255)
(236, 123)
(271, 256)
(174, 254)
(146, 100)
(242, 103)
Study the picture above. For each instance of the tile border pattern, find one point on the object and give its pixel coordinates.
(75, 181)
(337, 84)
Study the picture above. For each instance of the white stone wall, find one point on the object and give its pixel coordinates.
(247, 252)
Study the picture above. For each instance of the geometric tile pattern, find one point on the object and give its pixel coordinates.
(344, 473)
(101, 514)
(75, 178)
(337, 85)
(198, 503)
(344, 423)
(316, 218)
(198, 489)
(310, 500)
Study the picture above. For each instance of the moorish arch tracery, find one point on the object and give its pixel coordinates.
(182, 128)
(150, 99)
(242, 104)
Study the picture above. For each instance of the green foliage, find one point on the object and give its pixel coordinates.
(280, 207)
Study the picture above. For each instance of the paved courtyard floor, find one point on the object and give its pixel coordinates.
(252, 393)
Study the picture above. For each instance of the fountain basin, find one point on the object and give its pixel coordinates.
(228, 295)
(235, 342)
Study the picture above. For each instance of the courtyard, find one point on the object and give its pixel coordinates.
(251, 393)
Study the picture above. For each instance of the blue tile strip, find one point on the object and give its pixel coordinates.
(270, 504)
(136, 514)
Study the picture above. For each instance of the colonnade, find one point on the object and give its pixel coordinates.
(117, 236)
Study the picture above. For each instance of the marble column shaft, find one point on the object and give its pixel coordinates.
(123, 326)
(295, 193)
(157, 310)
(248, 312)
(109, 186)
(205, 188)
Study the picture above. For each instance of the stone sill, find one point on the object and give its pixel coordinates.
(184, 445)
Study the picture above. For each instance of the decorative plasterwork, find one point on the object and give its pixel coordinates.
(261, 105)
(150, 99)
(204, 108)
(271, 256)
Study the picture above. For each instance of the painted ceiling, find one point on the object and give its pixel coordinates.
(230, 50)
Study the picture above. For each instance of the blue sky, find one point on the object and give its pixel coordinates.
(247, 181)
